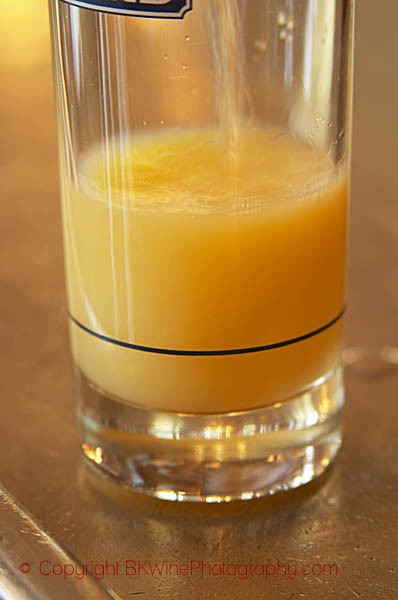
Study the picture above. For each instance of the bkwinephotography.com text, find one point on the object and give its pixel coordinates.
(191, 568)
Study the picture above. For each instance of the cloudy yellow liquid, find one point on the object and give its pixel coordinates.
(181, 241)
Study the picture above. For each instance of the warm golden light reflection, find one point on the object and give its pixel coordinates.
(216, 499)
(246, 495)
(214, 433)
(199, 452)
(167, 495)
(326, 403)
(163, 428)
(249, 429)
(24, 34)
(94, 454)
(219, 452)
(242, 450)
(228, 431)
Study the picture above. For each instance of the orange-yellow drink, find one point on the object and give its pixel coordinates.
(190, 241)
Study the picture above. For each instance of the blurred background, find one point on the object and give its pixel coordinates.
(39, 454)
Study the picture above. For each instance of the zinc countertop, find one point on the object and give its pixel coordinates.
(52, 509)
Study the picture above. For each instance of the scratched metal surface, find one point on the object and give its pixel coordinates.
(21, 542)
(350, 517)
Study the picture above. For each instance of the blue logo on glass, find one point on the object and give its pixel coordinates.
(166, 9)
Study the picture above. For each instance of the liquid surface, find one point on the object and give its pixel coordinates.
(203, 172)
(185, 241)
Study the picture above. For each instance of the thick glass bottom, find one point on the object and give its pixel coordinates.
(212, 457)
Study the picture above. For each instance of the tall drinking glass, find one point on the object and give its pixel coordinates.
(204, 158)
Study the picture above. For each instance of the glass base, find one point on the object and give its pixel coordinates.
(212, 457)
